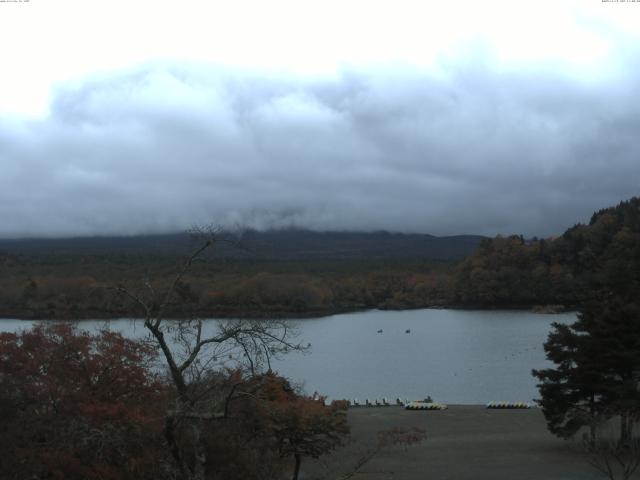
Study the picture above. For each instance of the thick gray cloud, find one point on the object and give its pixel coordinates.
(474, 150)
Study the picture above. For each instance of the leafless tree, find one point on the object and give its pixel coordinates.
(617, 459)
(195, 353)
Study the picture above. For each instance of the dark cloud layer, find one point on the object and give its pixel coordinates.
(471, 150)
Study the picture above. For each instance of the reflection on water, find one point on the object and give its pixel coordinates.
(455, 356)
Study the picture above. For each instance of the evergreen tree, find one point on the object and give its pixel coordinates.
(571, 393)
(611, 326)
(597, 373)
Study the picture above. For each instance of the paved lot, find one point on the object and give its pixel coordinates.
(463, 442)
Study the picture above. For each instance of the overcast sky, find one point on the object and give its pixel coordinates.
(460, 117)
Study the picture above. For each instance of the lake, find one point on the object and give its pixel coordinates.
(455, 356)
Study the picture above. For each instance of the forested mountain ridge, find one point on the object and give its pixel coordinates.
(283, 244)
(273, 273)
(509, 271)
(298, 273)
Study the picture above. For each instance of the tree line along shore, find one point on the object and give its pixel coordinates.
(503, 272)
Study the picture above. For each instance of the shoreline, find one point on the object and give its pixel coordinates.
(41, 315)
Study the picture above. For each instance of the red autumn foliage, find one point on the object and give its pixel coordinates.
(270, 428)
(75, 405)
(302, 426)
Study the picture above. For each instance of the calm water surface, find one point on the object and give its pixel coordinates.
(455, 356)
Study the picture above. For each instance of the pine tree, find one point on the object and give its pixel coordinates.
(597, 373)
(571, 393)
(612, 325)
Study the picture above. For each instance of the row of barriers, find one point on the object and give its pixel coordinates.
(418, 405)
(376, 403)
(428, 404)
(508, 405)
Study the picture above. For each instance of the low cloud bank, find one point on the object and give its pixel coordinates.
(468, 150)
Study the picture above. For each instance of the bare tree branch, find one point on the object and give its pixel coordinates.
(200, 395)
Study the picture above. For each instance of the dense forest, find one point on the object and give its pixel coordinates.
(515, 272)
(278, 273)
(297, 273)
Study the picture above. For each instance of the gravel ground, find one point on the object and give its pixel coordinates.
(463, 442)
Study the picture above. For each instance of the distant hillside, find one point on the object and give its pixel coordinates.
(510, 271)
(303, 273)
(275, 244)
